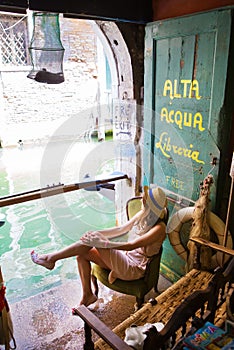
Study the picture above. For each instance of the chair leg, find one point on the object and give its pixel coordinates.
(139, 303)
(95, 284)
(88, 345)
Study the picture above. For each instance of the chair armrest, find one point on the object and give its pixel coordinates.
(218, 247)
(93, 322)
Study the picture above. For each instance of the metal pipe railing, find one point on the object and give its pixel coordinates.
(56, 189)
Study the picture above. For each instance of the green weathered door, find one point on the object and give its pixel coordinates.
(185, 76)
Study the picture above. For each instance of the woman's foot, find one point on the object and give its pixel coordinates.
(85, 301)
(89, 300)
(42, 260)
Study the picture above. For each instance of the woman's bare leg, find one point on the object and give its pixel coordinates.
(84, 268)
(49, 260)
(85, 255)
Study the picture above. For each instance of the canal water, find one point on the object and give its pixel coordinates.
(47, 224)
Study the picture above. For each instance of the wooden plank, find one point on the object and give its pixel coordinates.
(201, 23)
(212, 245)
(101, 329)
(217, 111)
(185, 80)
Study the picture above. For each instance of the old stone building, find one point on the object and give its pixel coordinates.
(44, 107)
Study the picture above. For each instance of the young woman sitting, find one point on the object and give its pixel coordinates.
(125, 260)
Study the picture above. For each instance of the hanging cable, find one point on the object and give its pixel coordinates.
(15, 24)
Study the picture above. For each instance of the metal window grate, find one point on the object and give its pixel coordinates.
(13, 39)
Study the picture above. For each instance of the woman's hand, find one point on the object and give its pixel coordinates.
(98, 240)
(94, 239)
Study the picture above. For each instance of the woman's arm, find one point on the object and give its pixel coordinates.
(117, 231)
(146, 239)
(100, 238)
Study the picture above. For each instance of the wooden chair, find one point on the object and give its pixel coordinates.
(140, 287)
(195, 298)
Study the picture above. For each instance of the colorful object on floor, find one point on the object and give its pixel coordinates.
(6, 327)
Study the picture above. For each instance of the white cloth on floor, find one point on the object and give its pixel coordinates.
(135, 335)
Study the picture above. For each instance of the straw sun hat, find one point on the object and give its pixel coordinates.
(156, 199)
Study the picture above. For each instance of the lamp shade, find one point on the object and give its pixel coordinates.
(46, 50)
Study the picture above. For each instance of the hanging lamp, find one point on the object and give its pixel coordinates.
(46, 50)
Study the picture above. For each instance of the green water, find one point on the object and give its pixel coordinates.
(44, 224)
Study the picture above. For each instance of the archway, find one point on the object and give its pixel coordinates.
(118, 57)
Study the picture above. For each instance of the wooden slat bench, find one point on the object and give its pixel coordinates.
(162, 310)
(166, 304)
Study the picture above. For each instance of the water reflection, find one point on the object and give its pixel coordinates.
(44, 224)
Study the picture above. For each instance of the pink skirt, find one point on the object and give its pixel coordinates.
(123, 265)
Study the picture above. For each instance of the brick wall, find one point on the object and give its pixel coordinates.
(34, 111)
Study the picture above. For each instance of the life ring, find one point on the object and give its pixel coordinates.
(183, 216)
